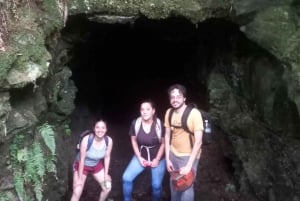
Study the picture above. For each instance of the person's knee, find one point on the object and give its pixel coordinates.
(78, 186)
(126, 178)
(77, 191)
(106, 190)
(156, 185)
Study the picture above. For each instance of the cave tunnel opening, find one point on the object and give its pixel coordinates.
(115, 66)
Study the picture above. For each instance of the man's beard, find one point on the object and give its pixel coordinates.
(179, 106)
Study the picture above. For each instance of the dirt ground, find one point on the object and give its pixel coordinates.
(214, 181)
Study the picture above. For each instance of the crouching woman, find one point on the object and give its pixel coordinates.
(93, 159)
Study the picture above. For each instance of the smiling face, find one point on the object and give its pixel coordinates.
(100, 129)
(147, 111)
(177, 98)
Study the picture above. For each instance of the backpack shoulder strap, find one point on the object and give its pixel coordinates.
(184, 118)
(90, 141)
(91, 138)
(158, 128)
(137, 125)
(106, 140)
(170, 116)
(81, 136)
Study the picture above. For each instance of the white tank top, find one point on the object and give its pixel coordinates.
(93, 156)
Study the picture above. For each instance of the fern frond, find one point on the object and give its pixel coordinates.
(38, 159)
(22, 154)
(35, 169)
(51, 166)
(6, 196)
(19, 184)
(47, 134)
(14, 149)
(31, 162)
(29, 172)
(38, 191)
(3, 197)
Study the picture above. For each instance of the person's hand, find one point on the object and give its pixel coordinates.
(147, 163)
(142, 161)
(107, 181)
(170, 166)
(154, 162)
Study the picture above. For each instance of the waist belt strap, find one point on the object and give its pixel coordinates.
(148, 150)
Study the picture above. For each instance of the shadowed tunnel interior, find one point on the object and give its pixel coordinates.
(115, 66)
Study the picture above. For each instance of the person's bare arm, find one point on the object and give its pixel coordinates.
(136, 150)
(195, 151)
(107, 156)
(160, 153)
(167, 149)
(83, 147)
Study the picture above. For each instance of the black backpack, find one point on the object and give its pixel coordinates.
(205, 117)
(90, 140)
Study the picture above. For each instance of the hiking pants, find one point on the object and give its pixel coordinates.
(189, 194)
(134, 169)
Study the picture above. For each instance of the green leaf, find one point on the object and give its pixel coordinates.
(47, 133)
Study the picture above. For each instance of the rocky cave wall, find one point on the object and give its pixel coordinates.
(255, 100)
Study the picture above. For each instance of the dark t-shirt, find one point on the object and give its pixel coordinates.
(150, 140)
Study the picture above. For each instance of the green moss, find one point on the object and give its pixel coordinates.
(6, 60)
(292, 47)
(195, 10)
(26, 43)
(54, 15)
(29, 47)
(275, 29)
(29, 30)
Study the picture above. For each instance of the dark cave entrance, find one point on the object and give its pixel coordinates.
(115, 66)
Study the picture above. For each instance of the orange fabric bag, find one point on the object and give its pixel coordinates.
(182, 182)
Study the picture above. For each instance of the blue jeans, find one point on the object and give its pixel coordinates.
(188, 194)
(134, 169)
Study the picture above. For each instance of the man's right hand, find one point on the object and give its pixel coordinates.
(170, 167)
